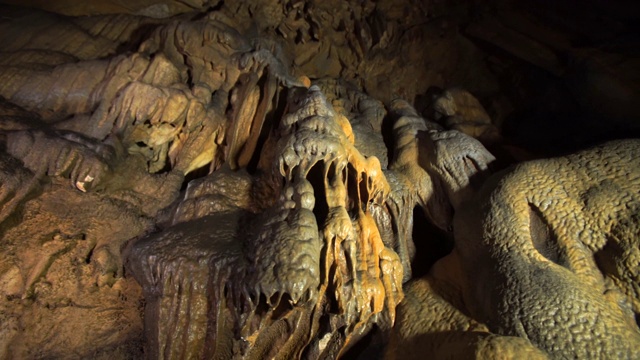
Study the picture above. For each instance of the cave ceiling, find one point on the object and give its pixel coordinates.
(319, 179)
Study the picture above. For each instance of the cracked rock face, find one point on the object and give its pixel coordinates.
(211, 179)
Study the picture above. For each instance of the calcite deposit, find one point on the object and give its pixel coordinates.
(318, 180)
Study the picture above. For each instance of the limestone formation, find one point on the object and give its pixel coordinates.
(321, 248)
(127, 128)
(549, 222)
(307, 267)
(546, 252)
(459, 110)
(264, 179)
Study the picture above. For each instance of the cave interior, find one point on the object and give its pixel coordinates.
(319, 179)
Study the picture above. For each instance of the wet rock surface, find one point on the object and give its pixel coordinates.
(262, 179)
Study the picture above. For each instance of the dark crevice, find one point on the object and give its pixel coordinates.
(364, 191)
(387, 136)
(423, 103)
(217, 7)
(137, 37)
(352, 190)
(167, 164)
(283, 307)
(370, 347)
(189, 70)
(608, 256)
(262, 307)
(195, 174)
(544, 239)
(210, 9)
(316, 178)
(332, 302)
(271, 122)
(87, 259)
(431, 242)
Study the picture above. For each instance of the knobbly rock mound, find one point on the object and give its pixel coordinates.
(539, 244)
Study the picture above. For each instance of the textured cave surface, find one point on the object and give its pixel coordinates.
(319, 179)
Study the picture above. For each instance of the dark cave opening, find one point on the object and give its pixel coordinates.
(316, 177)
(431, 242)
(275, 112)
(370, 347)
(353, 187)
(195, 174)
(387, 135)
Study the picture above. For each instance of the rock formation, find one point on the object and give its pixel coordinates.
(547, 252)
(215, 179)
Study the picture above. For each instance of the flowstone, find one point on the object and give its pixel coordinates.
(544, 265)
(303, 274)
(308, 270)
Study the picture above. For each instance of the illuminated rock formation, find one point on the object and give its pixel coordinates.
(127, 128)
(550, 223)
(304, 272)
(265, 179)
(309, 265)
(547, 252)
